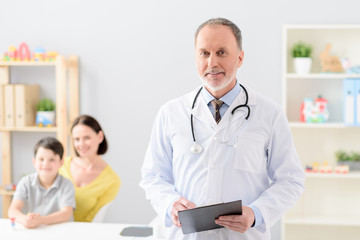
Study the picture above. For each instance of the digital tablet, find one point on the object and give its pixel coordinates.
(203, 218)
(137, 231)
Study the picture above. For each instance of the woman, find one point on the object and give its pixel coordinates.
(95, 182)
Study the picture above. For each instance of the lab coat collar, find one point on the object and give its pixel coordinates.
(202, 112)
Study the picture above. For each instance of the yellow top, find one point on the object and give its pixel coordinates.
(92, 197)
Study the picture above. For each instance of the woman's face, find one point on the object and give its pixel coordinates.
(86, 140)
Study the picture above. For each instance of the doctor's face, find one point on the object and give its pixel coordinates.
(217, 57)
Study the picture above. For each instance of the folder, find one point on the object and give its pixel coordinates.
(9, 105)
(349, 101)
(2, 110)
(357, 102)
(26, 98)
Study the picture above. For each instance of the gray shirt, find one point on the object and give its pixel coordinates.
(37, 199)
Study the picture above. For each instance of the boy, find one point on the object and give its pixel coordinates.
(46, 196)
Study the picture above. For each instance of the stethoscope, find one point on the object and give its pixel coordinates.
(196, 147)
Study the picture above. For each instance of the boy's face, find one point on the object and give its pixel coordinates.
(47, 163)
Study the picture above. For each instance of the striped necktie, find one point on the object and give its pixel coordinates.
(217, 104)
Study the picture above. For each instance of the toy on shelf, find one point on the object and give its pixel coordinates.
(39, 54)
(325, 168)
(314, 167)
(314, 112)
(329, 62)
(24, 54)
(10, 187)
(341, 169)
(348, 68)
(11, 54)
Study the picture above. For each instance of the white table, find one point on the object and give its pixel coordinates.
(65, 231)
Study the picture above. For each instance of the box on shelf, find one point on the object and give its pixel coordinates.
(2, 113)
(26, 98)
(351, 101)
(9, 105)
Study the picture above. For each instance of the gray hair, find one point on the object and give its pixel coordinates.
(225, 22)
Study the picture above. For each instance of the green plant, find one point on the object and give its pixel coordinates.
(301, 49)
(45, 104)
(343, 156)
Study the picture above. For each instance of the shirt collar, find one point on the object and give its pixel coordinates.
(56, 183)
(228, 98)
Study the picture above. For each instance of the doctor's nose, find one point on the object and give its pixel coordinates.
(212, 61)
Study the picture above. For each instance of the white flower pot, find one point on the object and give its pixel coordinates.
(302, 65)
(45, 118)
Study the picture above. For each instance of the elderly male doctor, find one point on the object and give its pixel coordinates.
(245, 154)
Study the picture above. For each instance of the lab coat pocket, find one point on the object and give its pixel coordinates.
(250, 152)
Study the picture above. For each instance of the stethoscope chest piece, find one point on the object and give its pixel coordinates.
(196, 148)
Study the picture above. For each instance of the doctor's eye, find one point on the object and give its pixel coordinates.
(204, 53)
(220, 53)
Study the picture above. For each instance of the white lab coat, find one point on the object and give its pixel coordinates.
(258, 164)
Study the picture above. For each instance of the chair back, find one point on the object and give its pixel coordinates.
(99, 217)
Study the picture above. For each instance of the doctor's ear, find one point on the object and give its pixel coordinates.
(241, 58)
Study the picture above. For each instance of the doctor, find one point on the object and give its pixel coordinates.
(203, 152)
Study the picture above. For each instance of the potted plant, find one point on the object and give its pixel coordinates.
(45, 115)
(351, 159)
(301, 53)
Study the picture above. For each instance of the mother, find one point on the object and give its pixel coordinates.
(96, 184)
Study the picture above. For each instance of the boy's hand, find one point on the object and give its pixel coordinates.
(32, 220)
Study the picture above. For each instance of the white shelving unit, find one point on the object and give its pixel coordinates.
(330, 206)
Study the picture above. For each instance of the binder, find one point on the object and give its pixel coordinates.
(2, 110)
(357, 102)
(9, 105)
(26, 98)
(349, 101)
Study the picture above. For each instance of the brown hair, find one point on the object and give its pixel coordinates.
(50, 143)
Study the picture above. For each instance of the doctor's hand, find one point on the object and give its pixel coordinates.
(238, 223)
(180, 205)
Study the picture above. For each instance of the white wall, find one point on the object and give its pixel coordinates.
(135, 55)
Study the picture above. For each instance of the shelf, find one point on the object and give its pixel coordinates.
(322, 27)
(27, 63)
(6, 193)
(321, 76)
(28, 129)
(325, 221)
(319, 125)
(350, 175)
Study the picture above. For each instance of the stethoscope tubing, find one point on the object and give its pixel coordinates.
(232, 112)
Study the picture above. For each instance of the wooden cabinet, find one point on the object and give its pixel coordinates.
(330, 206)
(67, 109)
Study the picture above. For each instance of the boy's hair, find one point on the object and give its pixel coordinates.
(52, 144)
